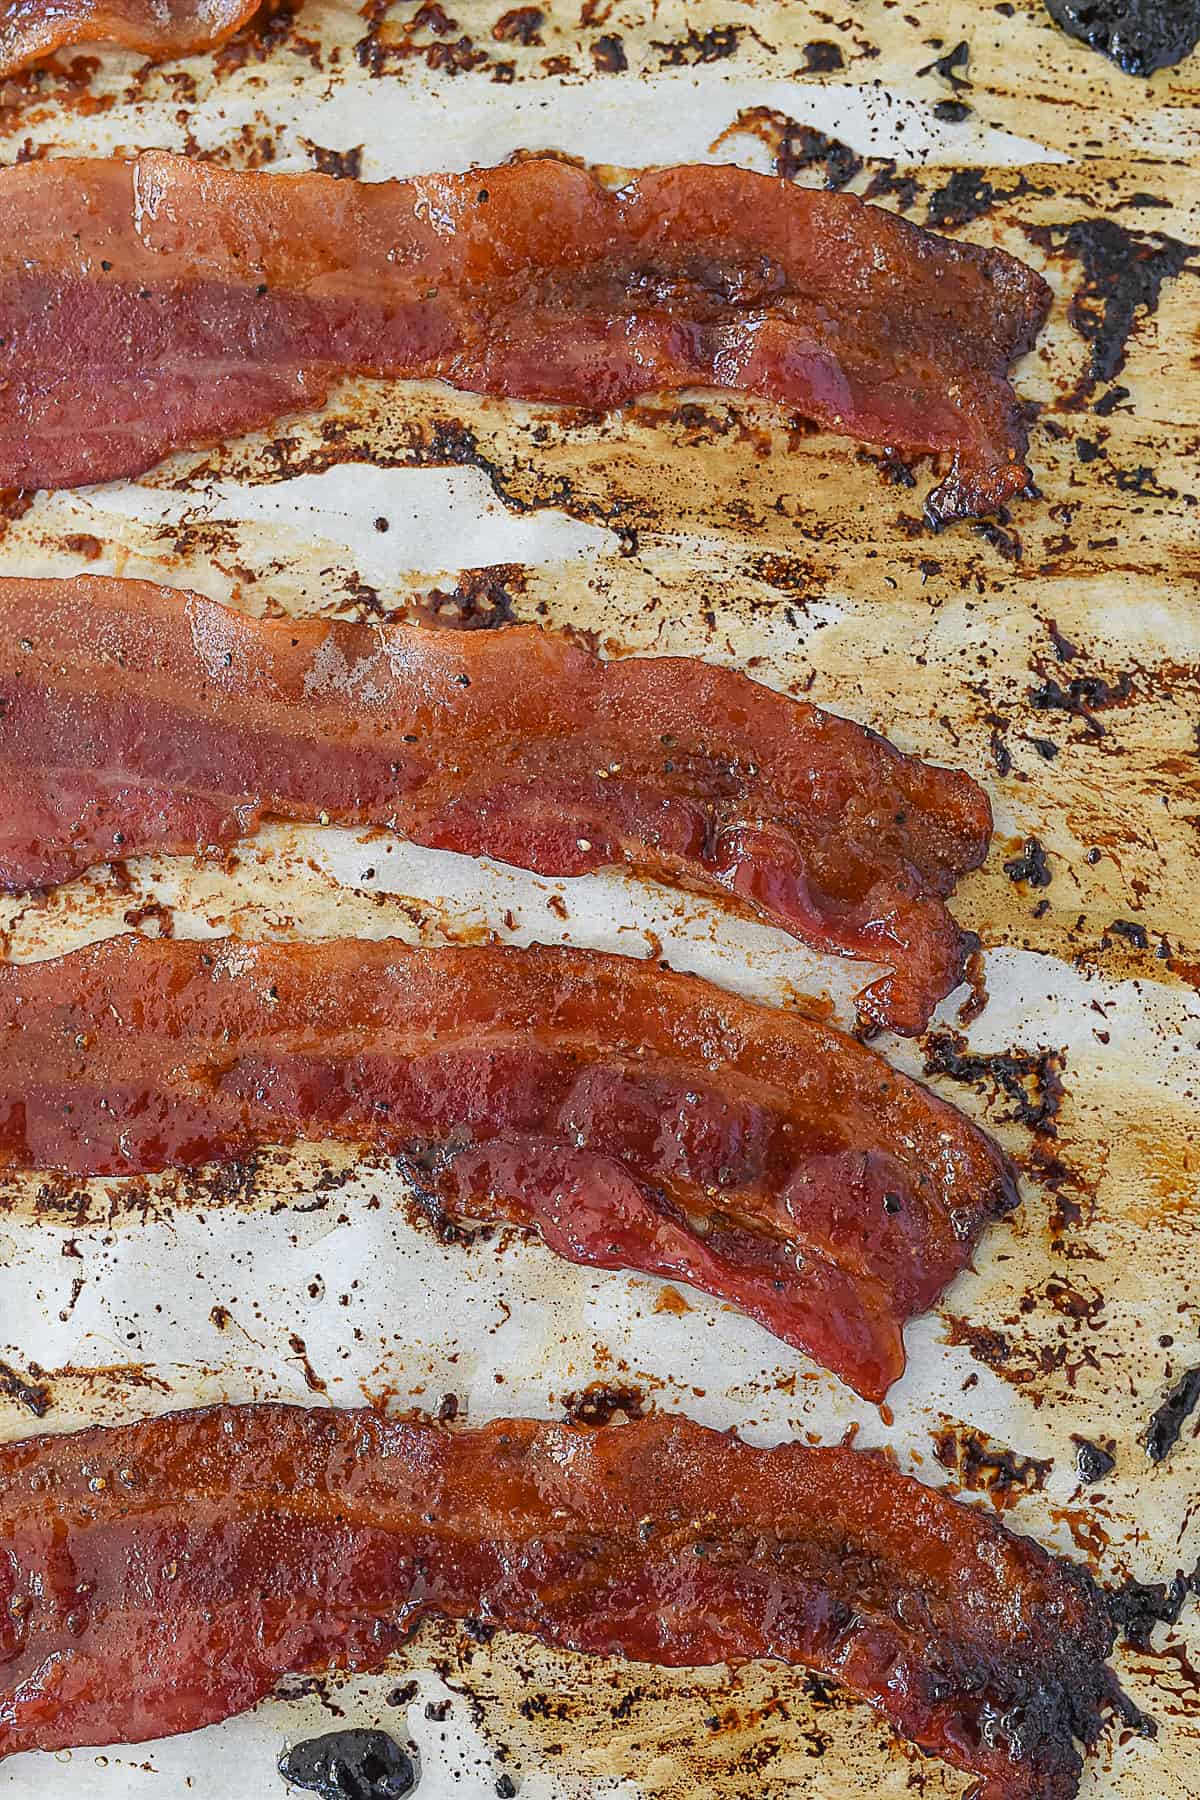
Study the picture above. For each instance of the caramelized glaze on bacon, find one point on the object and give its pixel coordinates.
(164, 1575)
(161, 303)
(135, 719)
(33, 29)
(630, 1116)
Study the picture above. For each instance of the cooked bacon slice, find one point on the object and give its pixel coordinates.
(160, 303)
(135, 719)
(630, 1116)
(164, 1575)
(33, 29)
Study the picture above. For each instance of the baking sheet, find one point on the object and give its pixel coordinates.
(726, 531)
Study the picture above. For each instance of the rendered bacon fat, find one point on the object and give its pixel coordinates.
(164, 1575)
(630, 1116)
(135, 719)
(33, 29)
(161, 303)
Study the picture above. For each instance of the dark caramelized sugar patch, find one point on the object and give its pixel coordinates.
(350, 1765)
(1138, 35)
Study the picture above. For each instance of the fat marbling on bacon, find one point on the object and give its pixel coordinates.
(33, 29)
(157, 1577)
(137, 719)
(154, 304)
(629, 1116)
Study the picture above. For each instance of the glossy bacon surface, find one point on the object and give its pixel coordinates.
(161, 303)
(630, 1116)
(33, 29)
(160, 1576)
(135, 719)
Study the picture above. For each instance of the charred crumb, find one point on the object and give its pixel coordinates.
(1132, 932)
(26, 1390)
(1168, 1420)
(1137, 1607)
(481, 599)
(608, 53)
(1082, 698)
(1140, 36)
(1092, 1462)
(795, 147)
(983, 1466)
(522, 25)
(995, 532)
(151, 912)
(1123, 273)
(1032, 866)
(597, 1403)
(713, 45)
(350, 1765)
(345, 165)
(1030, 1079)
(265, 32)
(823, 57)
(405, 1694)
(987, 1345)
(951, 112)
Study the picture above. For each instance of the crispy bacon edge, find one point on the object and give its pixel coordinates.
(630, 1116)
(136, 719)
(160, 1576)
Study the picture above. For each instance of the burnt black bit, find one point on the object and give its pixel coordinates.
(26, 1390)
(1064, 649)
(1087, 450)
(888, 184)
(1032, 866)
(1132, 932)
(506, 1787)
(523, 25)
(951, 112)
(1140, 36)
(1030, 1079)
(822, 57)
(608, 53)
(983, 1466)
(1137, 1607)
(795, 147)
(1083, 697)
(345, 165)
(350, 1765)
(710, 46)
(947, 66)
(597, 1403)
(1123, 276)
(1091, 1462)
(1168, 1420)
(481, 599)
(996, 532)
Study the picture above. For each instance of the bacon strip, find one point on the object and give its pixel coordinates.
(135, 719)
(630, 1116)
(33, 29)
(163, 1575)
(160, 303)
